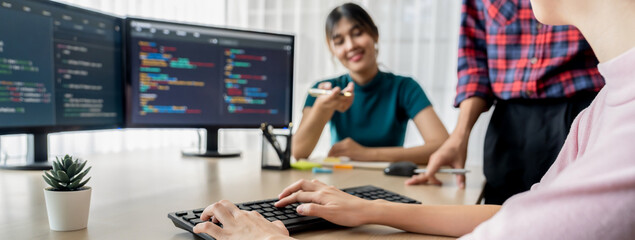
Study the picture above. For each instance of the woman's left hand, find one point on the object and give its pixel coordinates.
(349, 148)
(238, 224)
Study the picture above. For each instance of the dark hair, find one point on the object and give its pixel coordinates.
(352, 12)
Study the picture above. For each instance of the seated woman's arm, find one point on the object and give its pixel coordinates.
(315, 118)
(308, 133)
(428, 124)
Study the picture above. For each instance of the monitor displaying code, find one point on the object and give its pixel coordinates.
(186, 75)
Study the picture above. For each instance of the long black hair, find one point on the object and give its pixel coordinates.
(354, 13)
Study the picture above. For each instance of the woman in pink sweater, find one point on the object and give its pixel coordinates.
(588, 193)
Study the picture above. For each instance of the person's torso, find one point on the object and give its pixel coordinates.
(527, 59)
(375, 117)
(589, 191)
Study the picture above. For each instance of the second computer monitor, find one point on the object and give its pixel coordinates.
(60, 68)
(185, 75)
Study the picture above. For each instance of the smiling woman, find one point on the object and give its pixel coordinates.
(370, 124)
(350, 24)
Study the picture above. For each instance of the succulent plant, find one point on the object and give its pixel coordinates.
(67, 174)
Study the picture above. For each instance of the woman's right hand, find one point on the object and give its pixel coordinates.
(335, 101)
(326, 202)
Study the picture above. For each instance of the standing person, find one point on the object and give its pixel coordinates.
(538, 76)
(370, 124)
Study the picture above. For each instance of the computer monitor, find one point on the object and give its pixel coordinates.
(61, 69)
(194, 76)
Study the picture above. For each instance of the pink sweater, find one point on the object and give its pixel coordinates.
(589, 191)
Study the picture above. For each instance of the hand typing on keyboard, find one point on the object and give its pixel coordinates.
(328, 202)
(303, 205)
(238, 224)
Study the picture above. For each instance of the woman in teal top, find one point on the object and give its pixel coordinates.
(370, 123)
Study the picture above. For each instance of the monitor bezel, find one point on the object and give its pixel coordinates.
(128, 70)
(5, 130)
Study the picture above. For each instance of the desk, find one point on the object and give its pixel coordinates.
(134, 191)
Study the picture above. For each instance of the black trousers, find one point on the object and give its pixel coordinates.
(523, 139)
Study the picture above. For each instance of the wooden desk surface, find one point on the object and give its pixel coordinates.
(134, 191)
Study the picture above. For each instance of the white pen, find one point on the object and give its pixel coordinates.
(314, 92)
(459, 171)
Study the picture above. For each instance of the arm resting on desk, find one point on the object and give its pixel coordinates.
(446, 220)
(430, 127)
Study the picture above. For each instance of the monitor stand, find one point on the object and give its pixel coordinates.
(212, 147)
(37, 154)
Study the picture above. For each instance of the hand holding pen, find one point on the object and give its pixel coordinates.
(315, 92)
(335, 99)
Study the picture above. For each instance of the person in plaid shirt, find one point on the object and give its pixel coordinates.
(539, 78)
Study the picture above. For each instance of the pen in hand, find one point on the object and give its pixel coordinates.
(314, 92)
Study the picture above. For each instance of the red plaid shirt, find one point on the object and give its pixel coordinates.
(505, 53)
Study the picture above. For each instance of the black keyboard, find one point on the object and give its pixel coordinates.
(291, 219)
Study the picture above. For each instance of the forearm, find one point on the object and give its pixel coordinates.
(469, 111)
(280, 238)
(419, 154)
(433, 132)
(309, 131)
(446, 220)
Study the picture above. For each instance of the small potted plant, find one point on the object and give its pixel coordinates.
(67, 198)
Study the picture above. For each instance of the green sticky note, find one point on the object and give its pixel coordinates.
(304, 165)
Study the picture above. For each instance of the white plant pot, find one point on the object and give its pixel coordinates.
(67, 210)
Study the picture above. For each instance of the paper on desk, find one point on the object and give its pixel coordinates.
(331, 161)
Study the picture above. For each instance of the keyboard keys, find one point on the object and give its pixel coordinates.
(255, 206)
(181, 213)
(298, 220)
(246, 208)
(196, 221)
